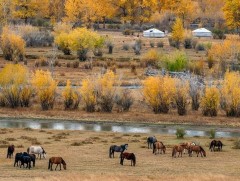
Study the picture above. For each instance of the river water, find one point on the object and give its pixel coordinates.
(191, 130)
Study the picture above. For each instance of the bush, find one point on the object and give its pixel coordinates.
(218, 34)
(12, 45)
(210, 101)
(45, 87)
(212, 133)
(137, 47)
(110, 47)
(152, 44)
(177, 61)
(71, 97)
(62, 41)
(159, 93)
(44, 62)
(236, 144)
(25, 96)
(151, 58)
(195, 92)
(180, 133)
(12, 95)
(160, 44)
(124, 100)
(75, 64)
(125, 47)
(128, 32)
(200, 47)
(197, 67)
(210, 61)
(188, 43)
(173, 43)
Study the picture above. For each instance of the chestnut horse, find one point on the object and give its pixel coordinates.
(179, 149)
(128, 156)
(160, 147)
(188, 145)
(58, 161)
(10, 151)
(197, 149)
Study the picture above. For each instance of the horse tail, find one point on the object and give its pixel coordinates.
(49, 163)
(134, 159)
(28, 150)
(210, 146)
(173, 151)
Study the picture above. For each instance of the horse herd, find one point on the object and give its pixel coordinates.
(23, 158)
(159, 148)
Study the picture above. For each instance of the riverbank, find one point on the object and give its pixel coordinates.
(86, 155)
(144, 117)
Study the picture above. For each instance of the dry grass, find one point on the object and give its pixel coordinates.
(90, 161)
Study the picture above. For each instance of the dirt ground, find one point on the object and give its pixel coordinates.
(86, 155)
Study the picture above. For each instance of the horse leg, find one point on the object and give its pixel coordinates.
(56, 166)
(51, 166)
(60, 166)
(113, 153)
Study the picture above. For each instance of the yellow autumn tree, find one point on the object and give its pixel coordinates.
(210, 101)
(12, 45)
(159, 93)
(45, 86)
(230, 94)
(71, 97)
(62, 41)
(231, 13)
(106, 91)
(88, 94)
(178, 32)
(5, 11)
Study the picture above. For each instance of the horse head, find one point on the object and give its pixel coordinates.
(43, 152)
(126, 146)
(64, 164)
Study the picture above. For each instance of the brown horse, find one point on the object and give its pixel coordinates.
(128, 156)
(160, 147)
(197, 149)
(188, 145)
(10, 151)
(58, 161)
(179, 149)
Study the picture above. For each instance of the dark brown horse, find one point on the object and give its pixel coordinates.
(179, 149)
(128, 156)
(160, 147)
(10, 151)
(58, 161)
(197, 149)
(216, 143)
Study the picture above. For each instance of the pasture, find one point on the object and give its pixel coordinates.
(87, 158)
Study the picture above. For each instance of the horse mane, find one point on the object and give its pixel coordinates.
(63, 162)
(201, 148)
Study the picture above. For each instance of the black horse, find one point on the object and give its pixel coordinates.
(25, 159)
(216, 143)
(18, 158)
(10, 151)
(151, 140)
(115, 148)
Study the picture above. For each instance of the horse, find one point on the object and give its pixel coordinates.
(128, 156)
(115, 148)
(179, 149)
(216, 143)
(188, 145)
(151, 140)
(58, 161)
(37, 150)
(197, 149)
(25, 159)
(18, 157)
(160, 147)
(10, 151)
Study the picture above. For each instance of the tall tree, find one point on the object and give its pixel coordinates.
(232, 13)
(56, 10)
(5, 11)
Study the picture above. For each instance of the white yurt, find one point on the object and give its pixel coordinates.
(153, 33)
(202, 32)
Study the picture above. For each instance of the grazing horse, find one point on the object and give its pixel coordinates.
(188, 145)
(160, 147)
(216, 143)
(128, 156)
(10, 151)
(37, 150)
(58, 161)
(115, 148)
(179, 149)
(17, 158)
(151, 140)
(25, 159)
(197, 149)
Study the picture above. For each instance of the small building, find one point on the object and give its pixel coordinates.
(153, 33)
(202, 32)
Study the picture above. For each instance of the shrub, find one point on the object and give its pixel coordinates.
(152, 44)
(128, 32)
(106, 91)
(197, 67)
(195, 92)
(45, 87)
(75, 64)
(25, 96)
(188, 43)
(159, 93)
(62, 41)
(200, 47)
(212, 133)
(210, 101)
(181, 96)
(194, 43)
(125, 47)
(151, 58)
(236, 144)
(137, 47)
(178, 32)
(160, 44)
(71, 97)
(210, 61)
(133, 66)
(180, 133)
(173, 43)
(124, 100)
(12, 45)
(177, 61)
(68, 64)
(110, 47)
(230, 92)
(44, 62)
(218, 34)
(88, 94)
(98, 44)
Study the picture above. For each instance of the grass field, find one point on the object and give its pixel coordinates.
(89, 160)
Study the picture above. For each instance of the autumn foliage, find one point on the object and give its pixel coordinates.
(159, 93)
(45, 87)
